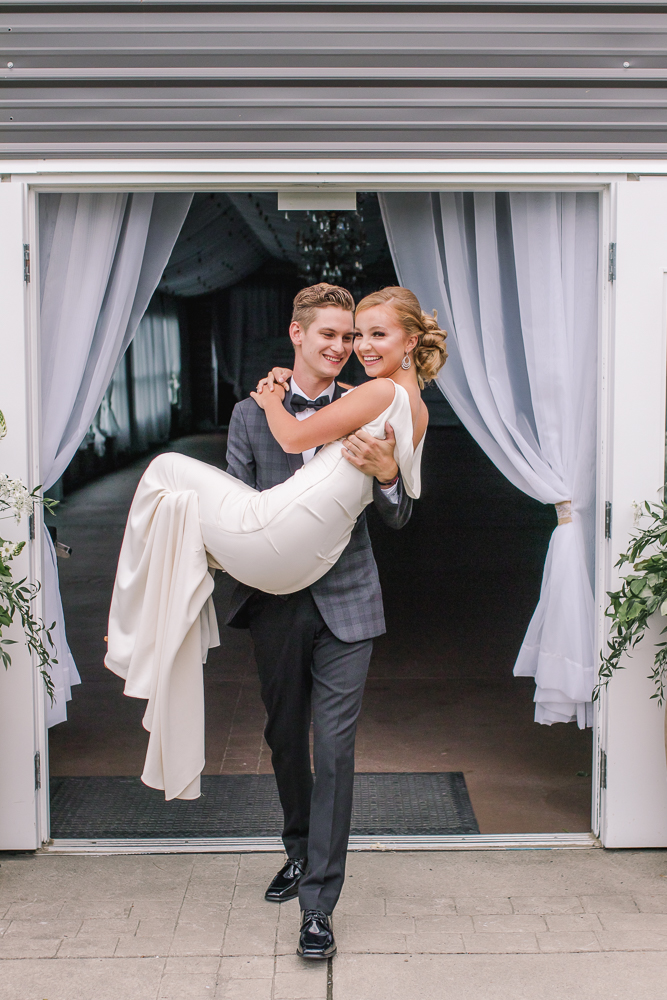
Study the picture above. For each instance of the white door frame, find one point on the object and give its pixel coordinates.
(631, 810)
(23, 738)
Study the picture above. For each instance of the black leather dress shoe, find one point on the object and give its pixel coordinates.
(286, 883)
(316, 939)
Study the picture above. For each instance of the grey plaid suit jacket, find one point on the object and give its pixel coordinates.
(348, 596)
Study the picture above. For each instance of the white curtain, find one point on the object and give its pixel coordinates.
(514, 280)
(156, 370)
(249, 334)
(101, 258)
(114, 412)
(154, 362)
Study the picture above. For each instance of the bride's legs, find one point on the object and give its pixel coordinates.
(279, 540)
(177, 473)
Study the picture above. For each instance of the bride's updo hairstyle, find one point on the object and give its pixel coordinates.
(430, 353)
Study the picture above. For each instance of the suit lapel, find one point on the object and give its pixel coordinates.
(294, 461)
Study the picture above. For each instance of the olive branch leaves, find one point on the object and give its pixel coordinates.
(643, 592)
(16, 596)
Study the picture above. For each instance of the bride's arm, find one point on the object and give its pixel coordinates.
(277, 376)
(281, 376)
(334, 421)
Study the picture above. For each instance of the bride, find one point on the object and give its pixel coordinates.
(188, 518)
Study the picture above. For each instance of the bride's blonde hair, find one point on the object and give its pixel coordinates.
(430, 352)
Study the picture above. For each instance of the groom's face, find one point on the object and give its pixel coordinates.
(325, 345)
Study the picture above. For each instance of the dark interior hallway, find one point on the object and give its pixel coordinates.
(460, 584)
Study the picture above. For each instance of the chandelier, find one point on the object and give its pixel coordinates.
(330, 248)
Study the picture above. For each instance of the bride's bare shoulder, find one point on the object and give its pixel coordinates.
(381, 389)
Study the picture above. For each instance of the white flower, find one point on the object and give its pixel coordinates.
(9, 549)
(14, 495)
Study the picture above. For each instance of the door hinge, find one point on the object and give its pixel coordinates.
(38, 770)
(612, 262)
(603, 769)
(26, 263)
(31, 527)
(607, 519)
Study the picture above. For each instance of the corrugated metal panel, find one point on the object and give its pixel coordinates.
(161, 78)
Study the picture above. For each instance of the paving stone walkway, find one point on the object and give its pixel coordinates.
(539, 925)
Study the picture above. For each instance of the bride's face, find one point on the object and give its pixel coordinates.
(381, 342)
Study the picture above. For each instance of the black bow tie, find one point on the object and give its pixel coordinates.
(300, 403)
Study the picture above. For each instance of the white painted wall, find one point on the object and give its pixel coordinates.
(634, 805)
(18, 685)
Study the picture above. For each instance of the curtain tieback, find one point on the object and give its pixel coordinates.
(564, 511)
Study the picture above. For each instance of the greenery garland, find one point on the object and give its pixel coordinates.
(16, 595)
(642, 594)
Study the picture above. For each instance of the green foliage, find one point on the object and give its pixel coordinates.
(15, 598)
(16, 595)
(643, 592)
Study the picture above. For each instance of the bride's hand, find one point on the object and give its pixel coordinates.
(265, 399)
(277, 376)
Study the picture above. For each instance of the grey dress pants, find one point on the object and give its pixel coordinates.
(305, 670)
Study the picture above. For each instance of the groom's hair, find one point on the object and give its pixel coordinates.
(315, 297)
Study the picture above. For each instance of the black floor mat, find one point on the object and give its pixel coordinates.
(247, 805)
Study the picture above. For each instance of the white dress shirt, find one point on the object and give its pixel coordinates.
(391, 493)
(329, 391)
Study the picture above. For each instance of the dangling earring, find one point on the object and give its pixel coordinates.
(406, 363)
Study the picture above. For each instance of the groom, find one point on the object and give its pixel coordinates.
(313, 647)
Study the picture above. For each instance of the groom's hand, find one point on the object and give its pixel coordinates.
(372, 456)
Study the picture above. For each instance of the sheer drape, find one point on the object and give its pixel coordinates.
(514, 279)
(249, 333)
(115, 408)
(153, 361)
(101, 257)
(156, 369)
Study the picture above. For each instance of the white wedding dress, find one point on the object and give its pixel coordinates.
(186, 517)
